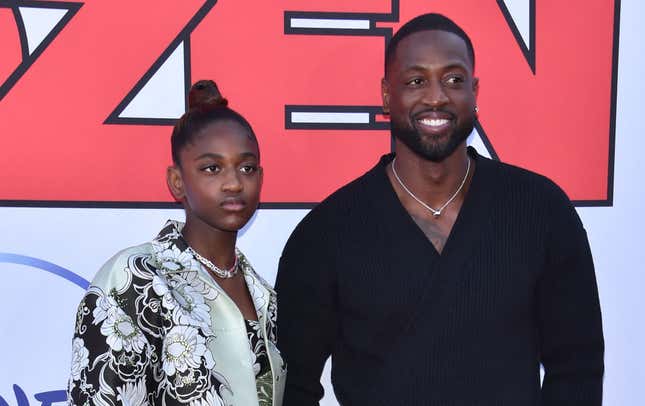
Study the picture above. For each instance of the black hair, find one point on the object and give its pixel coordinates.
(205, 106)
(427, 22)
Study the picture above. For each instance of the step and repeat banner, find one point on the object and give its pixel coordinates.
(89, 92)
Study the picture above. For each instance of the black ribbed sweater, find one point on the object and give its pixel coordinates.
(514, 287)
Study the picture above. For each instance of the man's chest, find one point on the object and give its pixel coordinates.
(486, 274)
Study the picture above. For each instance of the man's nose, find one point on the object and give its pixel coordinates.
(434, 94)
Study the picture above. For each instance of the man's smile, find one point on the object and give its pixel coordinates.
(433, 122)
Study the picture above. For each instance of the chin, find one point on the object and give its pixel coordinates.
(435, 152)
(234, 225)
(439, 151)
(432, 147)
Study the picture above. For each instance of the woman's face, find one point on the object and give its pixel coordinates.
(220, 177)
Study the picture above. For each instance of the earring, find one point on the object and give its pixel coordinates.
(476, 109)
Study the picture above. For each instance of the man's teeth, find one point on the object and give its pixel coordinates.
(434, 122)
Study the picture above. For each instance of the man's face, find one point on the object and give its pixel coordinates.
(430, 93)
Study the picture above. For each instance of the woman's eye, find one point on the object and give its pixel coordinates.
(211, 169)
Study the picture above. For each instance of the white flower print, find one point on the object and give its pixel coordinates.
(175, 260)
(133, 393)
(151, 331)
(169, 234)
(105, 304)
(181, 267)
(257, 294)
(211, 398)
(256, 365)
(80, 358)
(184, 348)
(122, 332)
(186, 299)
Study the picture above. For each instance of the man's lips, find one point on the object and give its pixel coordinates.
(433, 121)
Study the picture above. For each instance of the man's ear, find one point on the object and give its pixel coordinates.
(476, 86)
(385, 95)
(175, 182)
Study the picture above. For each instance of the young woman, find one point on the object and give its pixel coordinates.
(184, 319)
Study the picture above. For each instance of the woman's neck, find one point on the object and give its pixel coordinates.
(218, 246)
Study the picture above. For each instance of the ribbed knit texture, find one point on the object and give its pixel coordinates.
(513, 287)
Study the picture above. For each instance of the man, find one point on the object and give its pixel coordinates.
(440, 277)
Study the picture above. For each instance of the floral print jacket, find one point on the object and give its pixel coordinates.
(155, 329)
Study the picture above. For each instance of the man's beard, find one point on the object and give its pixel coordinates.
(432, 151)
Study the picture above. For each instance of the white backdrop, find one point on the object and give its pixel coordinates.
(39, 298)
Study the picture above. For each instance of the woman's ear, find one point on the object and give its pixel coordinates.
(175, 182)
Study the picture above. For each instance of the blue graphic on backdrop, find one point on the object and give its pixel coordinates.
(45, 398)
(49, 397)
(45, 266)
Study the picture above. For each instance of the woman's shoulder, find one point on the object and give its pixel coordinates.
(118, 271)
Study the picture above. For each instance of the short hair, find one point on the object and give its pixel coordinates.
(427, 22)
(205, 106)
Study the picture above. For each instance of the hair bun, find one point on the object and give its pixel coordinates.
(205, 96)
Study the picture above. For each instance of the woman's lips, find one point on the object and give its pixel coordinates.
(233, 204)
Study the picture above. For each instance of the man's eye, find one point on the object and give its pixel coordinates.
(415, 82)
(248, 169)
(455, 80)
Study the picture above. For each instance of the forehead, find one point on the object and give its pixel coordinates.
(431, 48)
(224, 135)
(224, 127)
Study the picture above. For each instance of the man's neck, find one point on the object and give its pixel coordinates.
(433, 182)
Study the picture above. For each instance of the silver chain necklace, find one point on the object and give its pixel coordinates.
(222, 273)
(435, 212)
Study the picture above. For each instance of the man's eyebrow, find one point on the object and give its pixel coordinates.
(451, 65)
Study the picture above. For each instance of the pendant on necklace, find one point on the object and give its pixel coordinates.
(435, 212)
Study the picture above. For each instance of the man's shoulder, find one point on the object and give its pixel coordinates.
(345, 205)
(353, 195)
(518, 179)
(519, 194)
